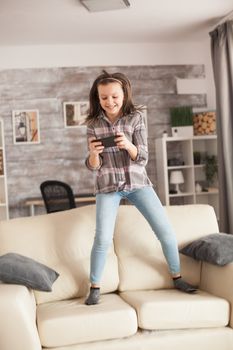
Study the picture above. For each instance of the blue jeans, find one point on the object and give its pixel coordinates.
(147, 202)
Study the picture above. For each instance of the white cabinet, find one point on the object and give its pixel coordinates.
(176, 154)
(4, 212)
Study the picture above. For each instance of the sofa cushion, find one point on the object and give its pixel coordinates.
(19, 269)
(71, 321)
(178, 339)
(62, 241)
(172, 309)
(141, 261)
(216, 248)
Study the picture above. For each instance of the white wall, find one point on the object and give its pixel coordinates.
(110, 55)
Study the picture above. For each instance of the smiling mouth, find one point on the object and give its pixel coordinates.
(111, 107)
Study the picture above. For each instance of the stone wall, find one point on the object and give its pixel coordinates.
(60, 154)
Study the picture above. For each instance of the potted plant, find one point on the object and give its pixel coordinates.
(197, 157)
(211, 169)
(182, 121)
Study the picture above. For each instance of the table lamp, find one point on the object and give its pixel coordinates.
(176, 178)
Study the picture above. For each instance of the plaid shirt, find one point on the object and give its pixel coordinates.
(117, 171)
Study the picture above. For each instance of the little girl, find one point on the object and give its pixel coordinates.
(121, 174)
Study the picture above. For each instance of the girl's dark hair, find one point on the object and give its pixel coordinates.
(104, 79)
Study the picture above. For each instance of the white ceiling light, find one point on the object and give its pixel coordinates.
(105, 5)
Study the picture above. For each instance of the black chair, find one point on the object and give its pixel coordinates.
(57, 196)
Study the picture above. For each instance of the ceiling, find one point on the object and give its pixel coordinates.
(59, 22)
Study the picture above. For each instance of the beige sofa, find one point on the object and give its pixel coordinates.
(139, 309)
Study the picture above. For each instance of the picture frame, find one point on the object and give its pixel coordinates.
(26, 128)
(75, 113)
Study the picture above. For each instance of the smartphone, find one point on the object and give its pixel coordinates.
(107, 141)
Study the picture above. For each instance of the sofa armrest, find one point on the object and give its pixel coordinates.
(18, 318)
(218, 280)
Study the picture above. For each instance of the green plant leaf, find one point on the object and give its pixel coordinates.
(181, 116)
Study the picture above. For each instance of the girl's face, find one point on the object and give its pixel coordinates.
(111, 97)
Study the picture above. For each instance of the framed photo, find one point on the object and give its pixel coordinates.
(26, 126)
(75, 113)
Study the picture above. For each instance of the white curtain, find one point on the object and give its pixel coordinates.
(222, 59)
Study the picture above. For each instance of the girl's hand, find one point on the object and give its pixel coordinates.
(122, 141)
(95, 148)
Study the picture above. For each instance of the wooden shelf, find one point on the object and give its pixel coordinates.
(4, 210)
(182, 194)
(181, 149)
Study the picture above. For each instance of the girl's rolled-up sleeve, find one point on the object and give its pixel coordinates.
(91, 133)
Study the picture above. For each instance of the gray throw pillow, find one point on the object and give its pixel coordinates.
(19, 269)
(216, 248)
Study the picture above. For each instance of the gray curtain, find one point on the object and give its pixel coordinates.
(222, 59)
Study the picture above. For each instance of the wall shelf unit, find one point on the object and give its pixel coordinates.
(4, 211)
(177, 154)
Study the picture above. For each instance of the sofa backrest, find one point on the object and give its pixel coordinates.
(62, 241)
(141, 261)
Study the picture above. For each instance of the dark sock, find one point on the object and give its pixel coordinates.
(93, 297)
(180, 284)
